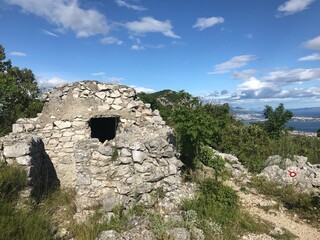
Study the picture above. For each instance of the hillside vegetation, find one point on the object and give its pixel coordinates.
(198, 125)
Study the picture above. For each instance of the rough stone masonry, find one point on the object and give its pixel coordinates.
(103, 141)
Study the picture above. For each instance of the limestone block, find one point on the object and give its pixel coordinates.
(68, 145)
(56, 135)
(17, 128)
(101, 95)
(77, 124)
(179, 234)
(110, 201)
(115, 94)
(83, 180)
(110, 234)
(68, 134)
(65, 139)
(24, 160)
(125, 152)
(62, 124)
(104, 107)
(142, 168)
(156, 112)
(16, 150)
(132, 104)
(125, 160)
(117, 101)
(172, 169)
(105, 150)
(109, 101)
(76, 138)
(103, 87)
(137, 146)
(116, 107)
(138, 156)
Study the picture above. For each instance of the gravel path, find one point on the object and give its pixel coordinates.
(279, 218)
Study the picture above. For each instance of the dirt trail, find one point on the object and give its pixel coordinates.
(278, 218)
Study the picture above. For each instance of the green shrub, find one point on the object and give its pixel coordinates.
(318, 133)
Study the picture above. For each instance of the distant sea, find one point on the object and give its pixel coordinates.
(304, 126)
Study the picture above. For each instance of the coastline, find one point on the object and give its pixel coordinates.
(301, 133)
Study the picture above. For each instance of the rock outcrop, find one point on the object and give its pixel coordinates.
(106, 143)
(296, 171)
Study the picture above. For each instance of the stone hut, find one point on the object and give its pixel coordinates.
(100, 139)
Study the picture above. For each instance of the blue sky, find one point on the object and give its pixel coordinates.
(246, 52)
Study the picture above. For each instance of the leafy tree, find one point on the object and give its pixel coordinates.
(18, 94)
(276, 119)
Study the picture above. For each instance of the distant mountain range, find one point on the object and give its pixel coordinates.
(313, 112)
(306, 112)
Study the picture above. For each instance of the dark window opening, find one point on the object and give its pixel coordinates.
(104, 128)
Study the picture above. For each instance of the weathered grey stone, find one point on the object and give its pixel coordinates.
(62, 124)
(125, 152)
(109, 202)
(109, 235)
(138, 156)
(17, 150)
(24, 160)
(197, 234)
(179, 234)
(105, 150)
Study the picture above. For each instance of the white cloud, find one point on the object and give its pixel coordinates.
(233, 63)
(293, 76)
(149, 24)
(245, 74)
(249, 35)
(294, 6)
(203, 23)
(111, 40)
(143, 89)
(49, 33)
(312, 57)
(137, 47)
(50, 82)
(123, 3)
(253, 84)
(17, 54)
(66, 14)
(313, 44)
(98, 74)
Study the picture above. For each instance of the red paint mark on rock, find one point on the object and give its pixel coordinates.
(292, 173)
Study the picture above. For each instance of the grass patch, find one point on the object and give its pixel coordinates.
(217, 211)
(306, 205)
(18, 223)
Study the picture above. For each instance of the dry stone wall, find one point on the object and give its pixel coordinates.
(133, 165)
(28, 151)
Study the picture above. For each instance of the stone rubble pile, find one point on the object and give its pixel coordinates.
(233, 164)
(296, 171)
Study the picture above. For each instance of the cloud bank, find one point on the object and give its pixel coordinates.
(233, 63)
(151, 25)
(293, 6)
(67, 14)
